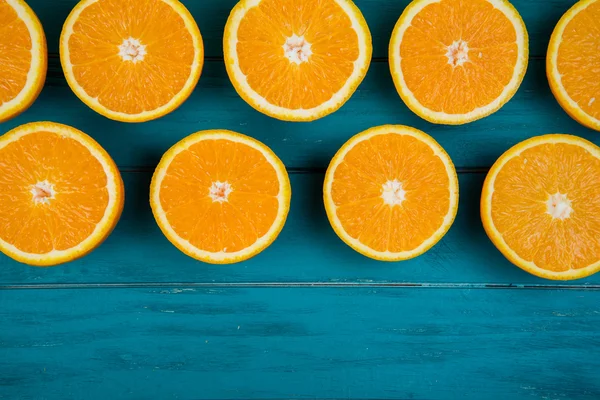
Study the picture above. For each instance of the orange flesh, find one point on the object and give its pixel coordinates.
(214, 226)
(492, 54)
(579, 59)
(15, 53)
(357, 192)
(125, 86)
(519, 209)
(79, 203)
(262, 34)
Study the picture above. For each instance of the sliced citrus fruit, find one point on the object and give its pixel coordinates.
(23, 58)
(456, 61)
(391, 192)
(572, 63)
(131, 61)
(220, 197)
(540, 206)
(61, 194)
(296, 61)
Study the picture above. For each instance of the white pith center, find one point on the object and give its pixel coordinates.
(458, 53)
(392, 193)
(297, 49)
(559, 206)
(220, 191)
(43, 192)
(132, 50)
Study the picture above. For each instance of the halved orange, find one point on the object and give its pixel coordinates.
(391, 192)
(220, 197)
(296, 61)
(572, 63)
(540, 206)
(456, 61)
(131, 61)
(23, 58)
(61, 194)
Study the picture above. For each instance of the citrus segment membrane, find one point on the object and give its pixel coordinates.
(296, 61)
(220, 196)
(23, 58)
(391, 192)
(60, 196)
(455, 61)
(131, 61)
(541, 206)
(572, 63)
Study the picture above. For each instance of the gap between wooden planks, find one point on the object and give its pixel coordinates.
(329, 285)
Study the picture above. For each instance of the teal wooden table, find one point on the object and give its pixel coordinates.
(309, 317)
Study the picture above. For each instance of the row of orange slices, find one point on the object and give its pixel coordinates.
(452, 61)
(391, 193)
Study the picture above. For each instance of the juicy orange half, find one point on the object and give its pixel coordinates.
(131, 61)
(299, 60)
(541, 206)
(220, 197)
(456, 61)
(391, 192)
(23, 58)
(61, 194)
(572, 63)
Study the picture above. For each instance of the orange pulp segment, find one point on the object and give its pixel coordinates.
(220, 197)
(296, 61)
(456, 61)
(572, 63)
(541, 206)
(60, 194)
(23, 58)
(391, 192)
(131, 61)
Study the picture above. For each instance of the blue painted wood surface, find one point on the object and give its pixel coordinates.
(308, 318)
(192, 343)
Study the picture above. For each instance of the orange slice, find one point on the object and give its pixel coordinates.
(456, 61)
(296, 61)
(541, 206)
(220, 197)
(131, 61)
(61, 194)
(23, 58)
(391, 192)
(572, 63)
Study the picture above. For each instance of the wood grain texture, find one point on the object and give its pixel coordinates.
(215, 104)
(307, 251)
(309, 317)
(540, 16)
(185, 343)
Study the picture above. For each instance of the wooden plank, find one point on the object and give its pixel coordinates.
(215, 104)
(299, 343)
(307, 251)
(540, 16)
